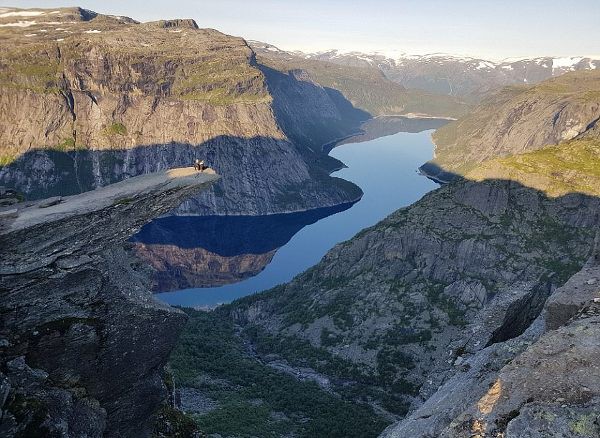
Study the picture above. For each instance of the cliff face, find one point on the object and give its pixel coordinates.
(92, 99)
(80, 355)
(517, 120)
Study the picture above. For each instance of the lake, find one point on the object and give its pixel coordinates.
(231, 257)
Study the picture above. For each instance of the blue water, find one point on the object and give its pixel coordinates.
(384, 168)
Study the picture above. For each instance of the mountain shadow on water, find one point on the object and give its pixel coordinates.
(191, 251)
(231, 235)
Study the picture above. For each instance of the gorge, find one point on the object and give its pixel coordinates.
(328, 288)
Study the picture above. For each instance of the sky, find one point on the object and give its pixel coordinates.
(492, 29)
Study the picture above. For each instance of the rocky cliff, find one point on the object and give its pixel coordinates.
(91, 99)
(83, 343)
(521, 119)
(541, 383)
(395, 311)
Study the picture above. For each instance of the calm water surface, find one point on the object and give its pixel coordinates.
(285, 245)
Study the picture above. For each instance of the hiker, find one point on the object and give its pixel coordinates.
(199, 165)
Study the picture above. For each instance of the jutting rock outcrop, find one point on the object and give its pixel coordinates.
(82, 342)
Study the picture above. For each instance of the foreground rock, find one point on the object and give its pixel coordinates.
(82, 341)
(548, 388)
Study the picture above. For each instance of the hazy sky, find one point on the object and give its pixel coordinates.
(486, 28)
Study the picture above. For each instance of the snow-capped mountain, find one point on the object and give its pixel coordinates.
(462, 76)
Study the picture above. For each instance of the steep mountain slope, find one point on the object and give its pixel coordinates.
(521, 119)
(365, 86)
(542, 383)
(89, 99)
(449, 270)
(465, 77)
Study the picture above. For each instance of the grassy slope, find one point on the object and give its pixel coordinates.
(253, 399)
(572, 166)
(459, 143)
(186, 63)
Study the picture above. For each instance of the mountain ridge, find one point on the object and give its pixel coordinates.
(441, 73)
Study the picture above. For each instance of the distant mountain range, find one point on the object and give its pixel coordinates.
(458, 76)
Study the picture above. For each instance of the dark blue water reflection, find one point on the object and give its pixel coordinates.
(384, 168)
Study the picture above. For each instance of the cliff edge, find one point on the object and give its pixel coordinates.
(79, 355)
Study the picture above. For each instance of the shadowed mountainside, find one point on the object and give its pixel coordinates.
(259, 175)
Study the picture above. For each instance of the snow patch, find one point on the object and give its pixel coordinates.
(565, 63)
(60, 39)
(31, 34)
(22, 14)
(93, 31)
(485, 65)
(19, 24)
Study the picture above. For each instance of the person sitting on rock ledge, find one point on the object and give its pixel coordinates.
(199, 165)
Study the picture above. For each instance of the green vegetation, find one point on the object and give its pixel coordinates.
(220, 82)
(28, 72)
(483, 133)
(568, 167)
(252, 398)
(173, 423)
(116, 128)
(7, 159)
(585, 425)
(68, 145)
(123, 201)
